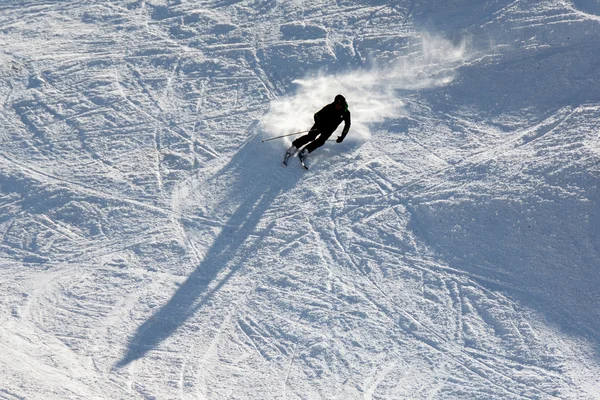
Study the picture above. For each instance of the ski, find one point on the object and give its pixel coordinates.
(302, 157)
(289, 154)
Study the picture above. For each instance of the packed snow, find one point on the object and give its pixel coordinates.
(153, 246)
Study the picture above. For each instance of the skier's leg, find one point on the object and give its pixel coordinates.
(309, 137)
(320, 141)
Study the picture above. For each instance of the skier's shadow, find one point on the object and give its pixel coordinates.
(257, 184)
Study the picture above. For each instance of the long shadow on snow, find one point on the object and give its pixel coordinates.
(257, 184)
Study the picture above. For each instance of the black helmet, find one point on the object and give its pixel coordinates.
(340, 99)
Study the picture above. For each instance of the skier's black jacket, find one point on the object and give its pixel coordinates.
(328, 119)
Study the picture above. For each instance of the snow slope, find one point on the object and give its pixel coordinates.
(152, 245)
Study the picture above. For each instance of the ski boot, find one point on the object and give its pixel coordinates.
(289, 153)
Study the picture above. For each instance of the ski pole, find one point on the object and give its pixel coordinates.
(289, 134)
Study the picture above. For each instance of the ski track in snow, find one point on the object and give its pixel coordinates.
(153, 247)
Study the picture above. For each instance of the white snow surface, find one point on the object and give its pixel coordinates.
(152, 245)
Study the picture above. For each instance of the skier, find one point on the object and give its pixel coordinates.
(326, 122)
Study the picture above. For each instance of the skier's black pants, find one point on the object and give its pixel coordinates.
(311, 138)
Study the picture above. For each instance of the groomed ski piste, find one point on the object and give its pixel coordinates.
(152, 246)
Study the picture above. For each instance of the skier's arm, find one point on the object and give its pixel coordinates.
(347, 124)
(319, 116)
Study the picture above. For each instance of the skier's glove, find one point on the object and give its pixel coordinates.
(340, 139)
